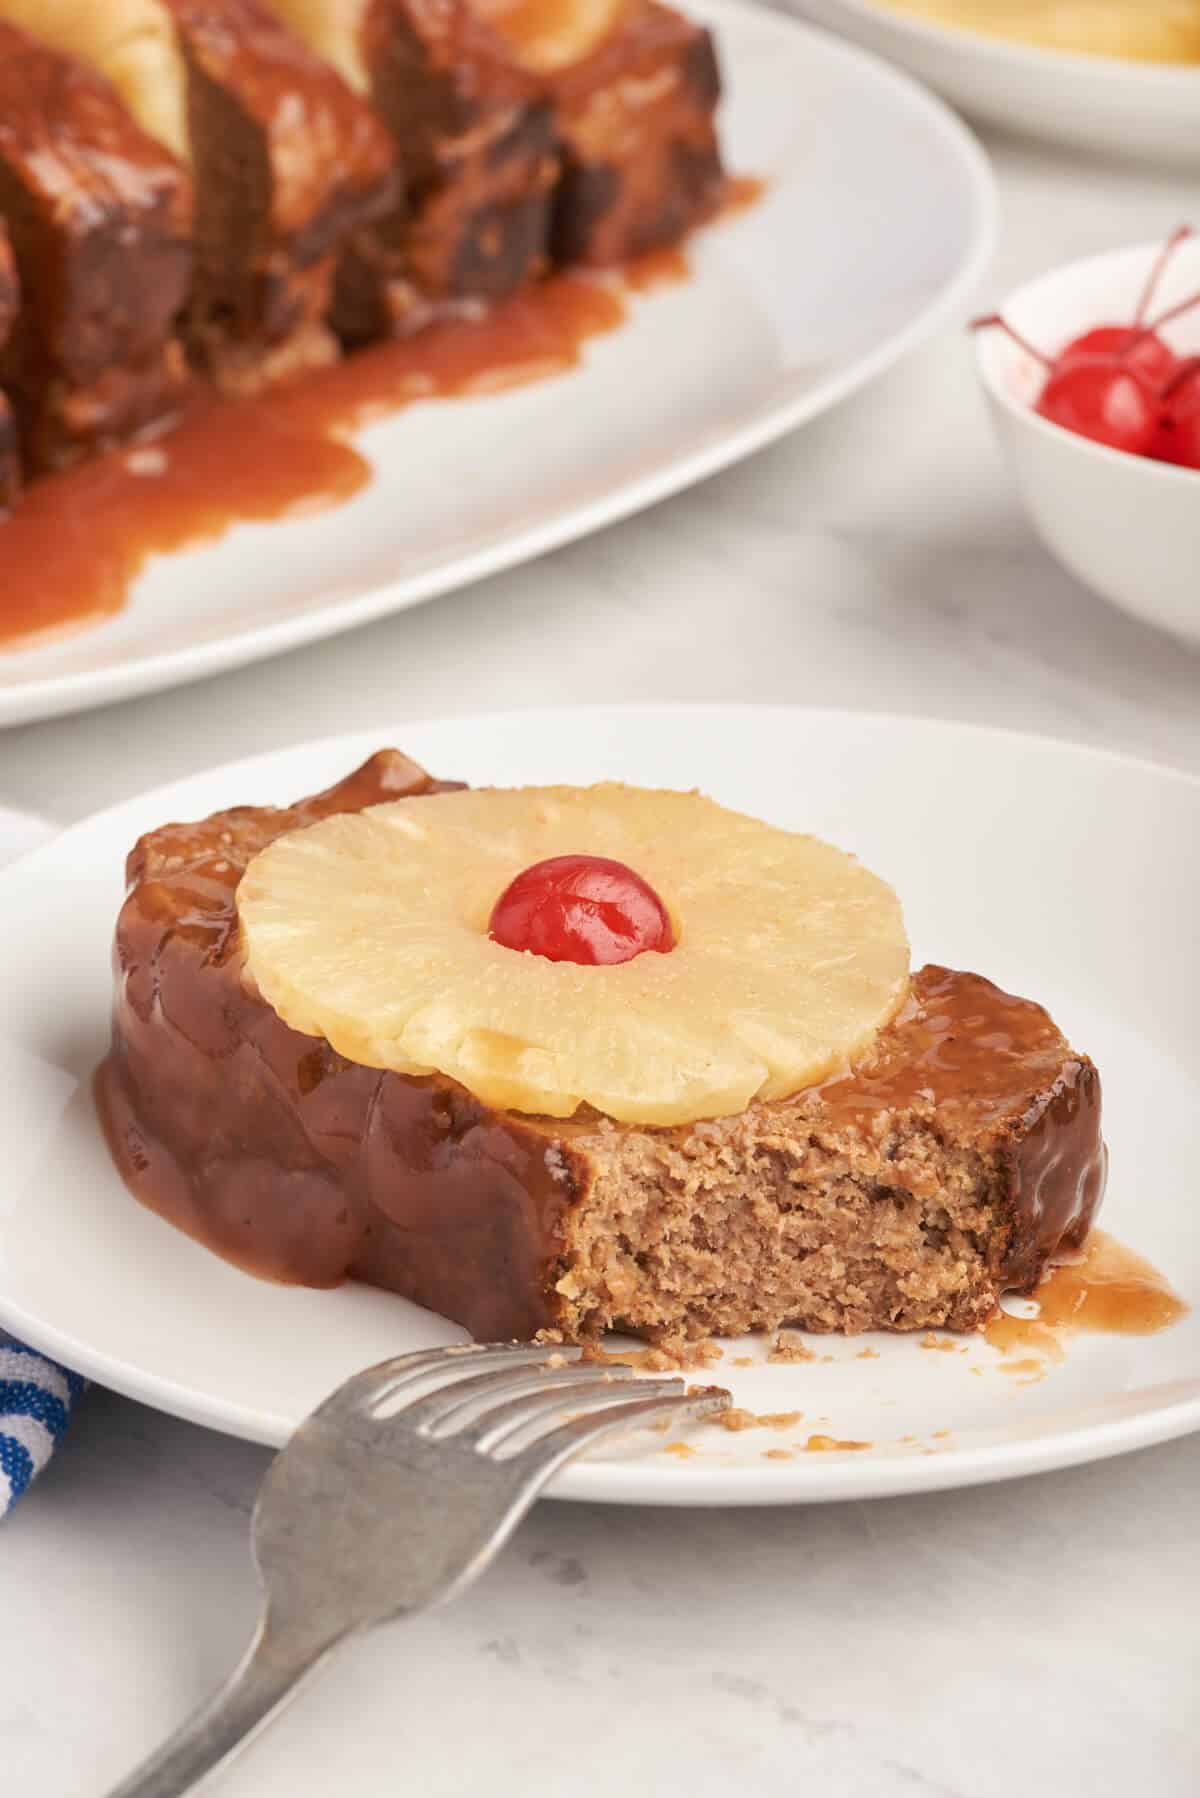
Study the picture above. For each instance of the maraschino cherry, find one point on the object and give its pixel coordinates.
(1137, 344)
(1108, 384)
(582, 908)
(1177, 438)
(1115, 406)
(1141, 350)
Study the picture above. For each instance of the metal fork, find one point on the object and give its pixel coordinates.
(393, 1496)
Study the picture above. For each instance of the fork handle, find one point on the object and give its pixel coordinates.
(267, 1677)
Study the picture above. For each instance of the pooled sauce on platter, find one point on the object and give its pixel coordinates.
(77, 540)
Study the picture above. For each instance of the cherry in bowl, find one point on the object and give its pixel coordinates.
(1111, 382)
(1126, 526)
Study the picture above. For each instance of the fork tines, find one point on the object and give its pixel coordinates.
(502, 1398)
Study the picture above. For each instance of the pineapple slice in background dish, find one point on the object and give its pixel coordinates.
(370, 929)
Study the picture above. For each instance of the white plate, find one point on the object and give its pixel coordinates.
(19, 833)
(1060, 871)
(1094, 102)
(793, 304)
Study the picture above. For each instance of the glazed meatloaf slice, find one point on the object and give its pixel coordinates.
(287, 164)
(290, 165)
(641, 164)
(906, 1193)
(474, 138)
(99, 218)
(10, 456)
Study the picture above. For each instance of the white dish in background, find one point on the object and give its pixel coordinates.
(793, 304)
(1059, 871)
(1099, 103)
(20, 832)
(1127, 527)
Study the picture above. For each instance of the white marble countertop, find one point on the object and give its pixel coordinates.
(1035, 1638)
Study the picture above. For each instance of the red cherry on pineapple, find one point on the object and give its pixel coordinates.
(581, 908)
(1103, 400)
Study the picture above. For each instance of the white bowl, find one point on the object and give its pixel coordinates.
(1097, 102)
(1127, 527)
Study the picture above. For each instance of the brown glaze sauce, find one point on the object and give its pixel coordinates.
(742, 192)
(532, 28)
(1023, 1335)
(1109, 1289)
(657, 268)
(78, 540)
(1027, 1372)
(958, 1039)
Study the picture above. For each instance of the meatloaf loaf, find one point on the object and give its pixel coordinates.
(905, 1193)
(287, 163)
(474, 136)
(636, 124)
(99, 217)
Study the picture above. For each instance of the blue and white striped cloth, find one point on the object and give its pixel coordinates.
(36, 1395)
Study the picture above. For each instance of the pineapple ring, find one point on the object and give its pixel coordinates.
(370, 929)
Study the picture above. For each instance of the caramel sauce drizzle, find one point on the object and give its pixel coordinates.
(1109, 1289)
(1023, 1335)
(77, 541)
(742, 192)
(657, 268)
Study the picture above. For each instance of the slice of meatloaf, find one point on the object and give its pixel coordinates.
(98, 215)
(636, 120)
(287, 163)
(10, 456)
(474, 138)
(906, 1193)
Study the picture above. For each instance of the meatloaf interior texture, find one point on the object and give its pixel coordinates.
(907, 1192)
(99, 219)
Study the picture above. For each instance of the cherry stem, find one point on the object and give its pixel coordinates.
(1173, 312)
(1158, 270)
(1140, 334)
(994, 321)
